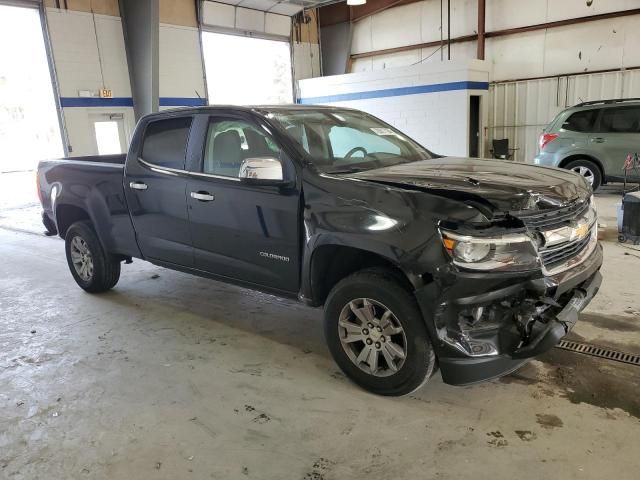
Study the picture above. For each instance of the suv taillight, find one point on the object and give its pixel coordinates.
(546, 138)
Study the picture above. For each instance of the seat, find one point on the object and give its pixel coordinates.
(257, 144)
(312, 142)
(501, 149)
(226, 154)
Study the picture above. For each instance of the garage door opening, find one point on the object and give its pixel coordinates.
(247, 71)
(29, 128)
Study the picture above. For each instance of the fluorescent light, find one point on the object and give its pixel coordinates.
(356, 2)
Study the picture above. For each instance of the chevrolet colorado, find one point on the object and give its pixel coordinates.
(421, 261)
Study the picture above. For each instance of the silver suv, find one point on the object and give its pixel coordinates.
(593, 139)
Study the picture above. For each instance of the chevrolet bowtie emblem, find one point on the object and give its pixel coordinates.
(580, 231)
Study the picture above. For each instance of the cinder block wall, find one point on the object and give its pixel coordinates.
(430, 103)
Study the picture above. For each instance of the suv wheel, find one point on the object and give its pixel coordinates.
(588, 170)
(376, 334)
(93, 270)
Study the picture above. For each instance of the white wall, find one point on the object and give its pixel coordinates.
(181, 74)
(438, 120)
(88, 58)
(517, 110)
(306, 60)
(598, 45)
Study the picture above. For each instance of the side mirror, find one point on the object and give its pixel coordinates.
(262, 171)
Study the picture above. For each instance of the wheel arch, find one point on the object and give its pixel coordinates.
(581, 156)
(67, 214)
(330, 263)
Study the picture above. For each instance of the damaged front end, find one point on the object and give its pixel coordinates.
(486, 322)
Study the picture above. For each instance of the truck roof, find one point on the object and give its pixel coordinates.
(248, 108)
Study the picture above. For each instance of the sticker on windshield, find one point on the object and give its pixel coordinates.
(382, 131)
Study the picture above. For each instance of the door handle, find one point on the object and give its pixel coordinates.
(138, 185)
(203, 196)
(598, 140)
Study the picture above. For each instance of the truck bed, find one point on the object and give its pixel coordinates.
(91, 186)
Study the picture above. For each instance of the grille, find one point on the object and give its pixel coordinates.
(547, 219)
(562, 252)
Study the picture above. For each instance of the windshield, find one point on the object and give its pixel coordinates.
(346, 141)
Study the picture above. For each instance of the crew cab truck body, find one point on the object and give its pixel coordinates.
(421, 261)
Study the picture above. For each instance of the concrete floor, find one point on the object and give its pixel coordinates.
(169, 376)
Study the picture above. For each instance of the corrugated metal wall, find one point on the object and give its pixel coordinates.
(519, 110)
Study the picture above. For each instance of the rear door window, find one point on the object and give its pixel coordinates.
(620, 120)
(582, 121)
(165, 142)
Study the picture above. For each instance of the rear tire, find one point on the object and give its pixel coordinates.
(92, 268)
(589, 170)
(404, 357)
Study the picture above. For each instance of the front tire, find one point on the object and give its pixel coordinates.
(92, 268)
(376, 334)
(587, 169)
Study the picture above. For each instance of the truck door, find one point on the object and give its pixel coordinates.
(240, 231)
(155, 186)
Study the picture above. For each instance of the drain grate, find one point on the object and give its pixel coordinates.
(600, 352)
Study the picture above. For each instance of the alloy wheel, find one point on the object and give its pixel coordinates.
(81, 258)
(585, 172)
(372, 337)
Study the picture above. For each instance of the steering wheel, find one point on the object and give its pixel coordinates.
(354, 150)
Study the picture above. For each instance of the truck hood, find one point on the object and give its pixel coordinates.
(503, 185)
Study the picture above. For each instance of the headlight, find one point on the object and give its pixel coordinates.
(504, 253)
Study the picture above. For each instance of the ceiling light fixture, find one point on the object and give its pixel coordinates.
(356, 2)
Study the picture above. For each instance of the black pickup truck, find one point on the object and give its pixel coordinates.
(421, 261)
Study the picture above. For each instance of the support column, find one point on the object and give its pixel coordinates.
(141, 26)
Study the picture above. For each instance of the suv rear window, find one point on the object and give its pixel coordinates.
(582, 121)
(620, 120)
(165, 142)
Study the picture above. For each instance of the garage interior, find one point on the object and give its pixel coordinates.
(175, 376)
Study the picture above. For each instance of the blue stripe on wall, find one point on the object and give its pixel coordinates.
(70, 102)
(182, 102)
(397, 92)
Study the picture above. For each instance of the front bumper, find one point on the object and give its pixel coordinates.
(487, 325)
